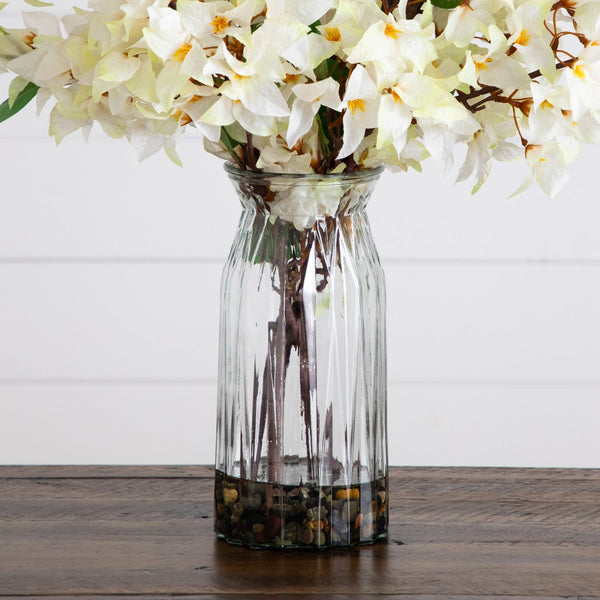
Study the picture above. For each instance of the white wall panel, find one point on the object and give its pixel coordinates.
(96, 201)
(429, 425)
(539, 426)
(160, 321)
(494, 322)
(108, 321)
(107, 424)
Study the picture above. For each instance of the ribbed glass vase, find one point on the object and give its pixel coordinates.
(301, 455)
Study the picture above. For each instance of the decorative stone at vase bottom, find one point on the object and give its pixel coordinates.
(301, 455)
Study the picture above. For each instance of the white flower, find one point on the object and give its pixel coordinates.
(212, 21)
(394, 47)
(276, 157)
(530, 37)
(246, 96)
(165, 33)
(304, 11)
(393, 121)
(587, 17)
(361, 105)
(548, 165)
(309, 98)
(583, 81)
(303, 204)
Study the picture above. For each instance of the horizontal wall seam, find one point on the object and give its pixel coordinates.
(396, 382)
(159, 260)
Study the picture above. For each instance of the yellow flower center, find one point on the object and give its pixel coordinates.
(332, 34)
(183, 118)
(523, 38)
(391, 31)
(482, 66)
(220, 23)
(355, 105)
(546, 104)
(182, 52)
(396, 97)
(534, 148)
(579, 72)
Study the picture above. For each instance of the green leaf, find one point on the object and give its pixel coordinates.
(322, 70)
(446, 3)
(313, 27)
(230, 144)
(39, 3)
(26, 95)
(17, 85)
(324, 138)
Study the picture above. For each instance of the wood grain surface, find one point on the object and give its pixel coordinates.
(146, 532)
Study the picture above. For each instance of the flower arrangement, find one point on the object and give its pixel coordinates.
(322, 86)
(285, 88)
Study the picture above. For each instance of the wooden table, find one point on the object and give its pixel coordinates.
(146, 532)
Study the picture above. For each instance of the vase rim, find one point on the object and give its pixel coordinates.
(240, 174)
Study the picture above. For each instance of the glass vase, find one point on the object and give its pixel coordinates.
(301, 453)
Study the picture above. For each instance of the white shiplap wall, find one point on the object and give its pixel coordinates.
(109, 275)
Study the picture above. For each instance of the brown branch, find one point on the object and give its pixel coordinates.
(251, 153)
(494, 93)
(413, 8)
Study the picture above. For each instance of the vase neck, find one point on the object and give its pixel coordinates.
(303, 199)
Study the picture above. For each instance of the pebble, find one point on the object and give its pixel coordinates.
(350, 510)
(294, 493)
(308, 536)
(347, 494)
(273, 525)
(230, 495)
(293, 532)
(317, 513)
(258, 528)
(279, 542)
(255, 487)
(284, 510)
(340, 525)
(252, 501)
(320, 539)
(315, 524)
(358, 521)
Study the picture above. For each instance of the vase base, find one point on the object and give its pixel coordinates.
(285, 517)
(381, 539)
